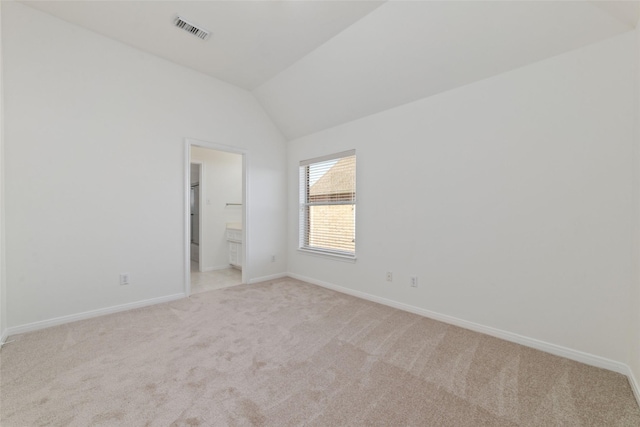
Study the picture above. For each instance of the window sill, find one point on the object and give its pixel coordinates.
(320, 254)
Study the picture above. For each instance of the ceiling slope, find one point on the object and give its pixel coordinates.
(627, 11)
(251, 41)
(405, 51)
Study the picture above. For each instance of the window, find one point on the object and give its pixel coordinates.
(328, 204)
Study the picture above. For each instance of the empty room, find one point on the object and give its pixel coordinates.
(322, 213)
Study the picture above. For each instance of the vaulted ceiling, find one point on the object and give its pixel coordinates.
(317, 64)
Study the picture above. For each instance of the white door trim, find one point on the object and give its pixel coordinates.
(246, 225)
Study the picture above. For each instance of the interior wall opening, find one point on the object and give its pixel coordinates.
(215, 219)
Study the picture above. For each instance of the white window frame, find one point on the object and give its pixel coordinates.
(303, 210)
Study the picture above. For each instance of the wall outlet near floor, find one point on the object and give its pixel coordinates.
(414, 281)
(124, 278)
(273, 258)
(389, 276)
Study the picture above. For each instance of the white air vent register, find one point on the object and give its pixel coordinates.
(191, 28)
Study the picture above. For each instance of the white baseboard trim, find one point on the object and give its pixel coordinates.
(578, 356)
(3, 337)
(29, 327)
(634, 384)
(265, 278)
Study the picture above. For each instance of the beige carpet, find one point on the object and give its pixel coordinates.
(285, 353)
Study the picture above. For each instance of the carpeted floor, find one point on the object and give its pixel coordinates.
(286, 353)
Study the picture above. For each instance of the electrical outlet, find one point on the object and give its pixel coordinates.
(273, 258)
(389, 276)
(124, 278)
(414, 281)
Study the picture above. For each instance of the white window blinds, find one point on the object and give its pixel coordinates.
(328, 204)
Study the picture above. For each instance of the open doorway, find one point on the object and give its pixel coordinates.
(215, 226)
(194, 208)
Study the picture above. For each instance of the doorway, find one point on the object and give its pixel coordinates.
(194, 207)
(215, 216)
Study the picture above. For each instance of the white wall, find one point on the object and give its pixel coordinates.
(3, 281)
(222, 185)
(94, 147)
(511, 199)
(634, 300)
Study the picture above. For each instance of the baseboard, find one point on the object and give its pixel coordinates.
(29, 327)
(634, 384)
(578, 356)
(265, 278)
(3, 337)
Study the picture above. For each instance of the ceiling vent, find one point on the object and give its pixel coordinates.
(201, 33)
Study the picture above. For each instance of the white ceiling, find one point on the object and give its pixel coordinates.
(405, 51)
(627, 11)
(317, 64)
(251, 41)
